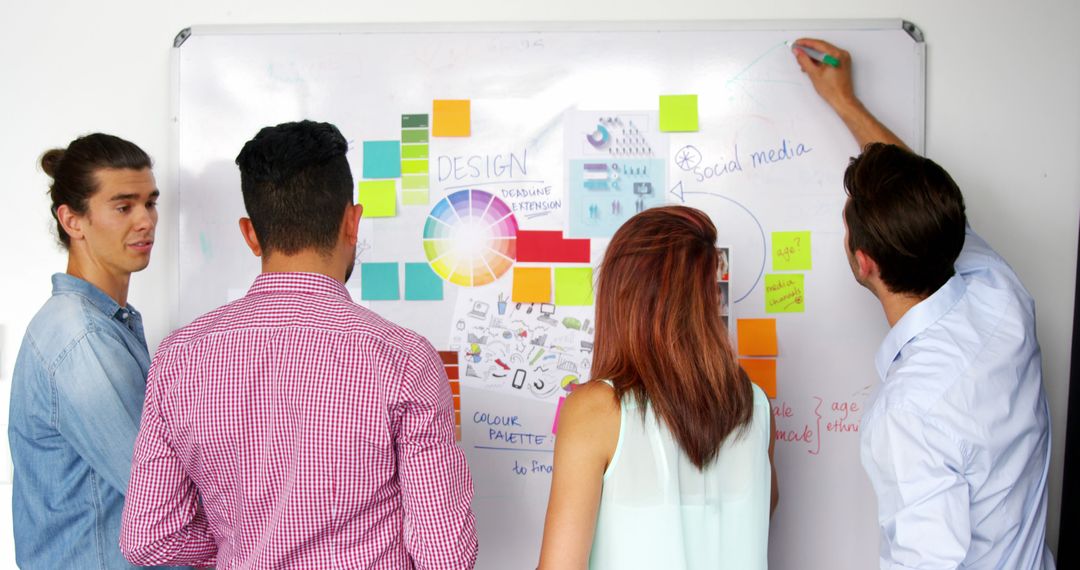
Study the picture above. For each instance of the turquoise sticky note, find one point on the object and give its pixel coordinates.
(379, 282)
(678, 113)
(382, 159)
(421, 283)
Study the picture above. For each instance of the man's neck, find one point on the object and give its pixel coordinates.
(896, 305)
(306, 261)
(113, 285)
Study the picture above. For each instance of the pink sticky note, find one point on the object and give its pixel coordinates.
(555, 424)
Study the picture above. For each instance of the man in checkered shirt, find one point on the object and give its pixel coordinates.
(293, 428)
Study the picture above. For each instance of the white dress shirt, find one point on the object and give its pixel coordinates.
(957, 441)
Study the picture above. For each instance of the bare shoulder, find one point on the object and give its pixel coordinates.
(589, 423)
(593, 398)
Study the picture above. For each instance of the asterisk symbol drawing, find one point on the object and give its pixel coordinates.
(688, 157)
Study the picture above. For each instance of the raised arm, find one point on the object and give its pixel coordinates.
(835, 86)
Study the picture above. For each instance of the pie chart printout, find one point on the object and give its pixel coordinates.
(470, 238)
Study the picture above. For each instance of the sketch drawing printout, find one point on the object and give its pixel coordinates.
(495, 162)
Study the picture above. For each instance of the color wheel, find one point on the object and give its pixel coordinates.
(470, 238)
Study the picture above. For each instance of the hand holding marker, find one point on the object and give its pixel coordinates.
(815, 54)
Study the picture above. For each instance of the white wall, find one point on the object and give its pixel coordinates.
(1002, 116)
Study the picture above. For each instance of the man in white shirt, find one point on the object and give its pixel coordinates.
(957, 440)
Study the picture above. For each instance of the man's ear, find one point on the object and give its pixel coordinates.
(350, 225)
(866, 266)
(70, 222)
(248, 231)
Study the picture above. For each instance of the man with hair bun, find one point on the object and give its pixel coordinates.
(80, 376)
(957, 439)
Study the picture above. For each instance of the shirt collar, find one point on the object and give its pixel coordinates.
(917, 320)
(304, 283)
(65, 283)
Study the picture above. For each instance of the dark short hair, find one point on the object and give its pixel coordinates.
(73, 170)
(907, 214)
(296, 183)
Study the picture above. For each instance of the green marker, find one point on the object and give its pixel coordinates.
(816, 55)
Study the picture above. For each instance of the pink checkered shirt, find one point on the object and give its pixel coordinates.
(314, 433)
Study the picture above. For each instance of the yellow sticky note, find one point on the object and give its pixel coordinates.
(762, 371)
(452, 118)
(791, 251)
(784, 293)
(378, 197)
(573, 286)
(756, 337)
(678, 113)
(531, 285)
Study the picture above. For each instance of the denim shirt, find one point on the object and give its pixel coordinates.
(76, 401)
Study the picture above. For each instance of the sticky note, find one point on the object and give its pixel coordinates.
(573, 286)
(762, 371)
(531, 285)
(382, 159)
(421, 283)
(678, 113)
(414, 197)
(414, 121)
(452, 118)
(784, 293)
(756, 337)
(414, 150)
(379, 282)
(378, 198)
(558, 408)
(791, 251)
(551, 247)
(416, 166)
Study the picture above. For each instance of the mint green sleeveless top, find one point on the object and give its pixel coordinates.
(658, 510)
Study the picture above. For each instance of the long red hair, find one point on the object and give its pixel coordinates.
(659, 335)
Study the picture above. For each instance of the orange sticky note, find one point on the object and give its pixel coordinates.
(757, 337)
(762, 371)
(451, 118)
(531, 285)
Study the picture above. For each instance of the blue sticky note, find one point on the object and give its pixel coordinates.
(379, 282)
(421, 283)
(382, 159)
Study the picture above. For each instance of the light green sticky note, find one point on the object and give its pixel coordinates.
(414, 197)
(573, 286)
(414, 151)
(791, 251)
(414, 182)
(378, 198)
(678, 113)
(414, 166)
(784, 293)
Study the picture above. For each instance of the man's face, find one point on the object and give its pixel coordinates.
(852, 262)
(119, 223)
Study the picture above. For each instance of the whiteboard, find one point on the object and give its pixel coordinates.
(767, 156)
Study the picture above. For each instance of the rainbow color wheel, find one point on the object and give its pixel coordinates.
(470, 238)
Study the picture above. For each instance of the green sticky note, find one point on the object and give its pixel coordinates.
(414, 136)
(784, 293)
(421, 283)
(415, 182)
(414, 197)
(414, 151)
(573, 286)
(678, 113)
(414, 121)
(419, 166)
(382, 159)
(791, 251)
(379, 282)
(378, 198)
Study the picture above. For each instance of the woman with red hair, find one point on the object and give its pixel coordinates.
(665, 461)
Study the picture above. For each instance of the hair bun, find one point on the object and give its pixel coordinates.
(50, 161)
